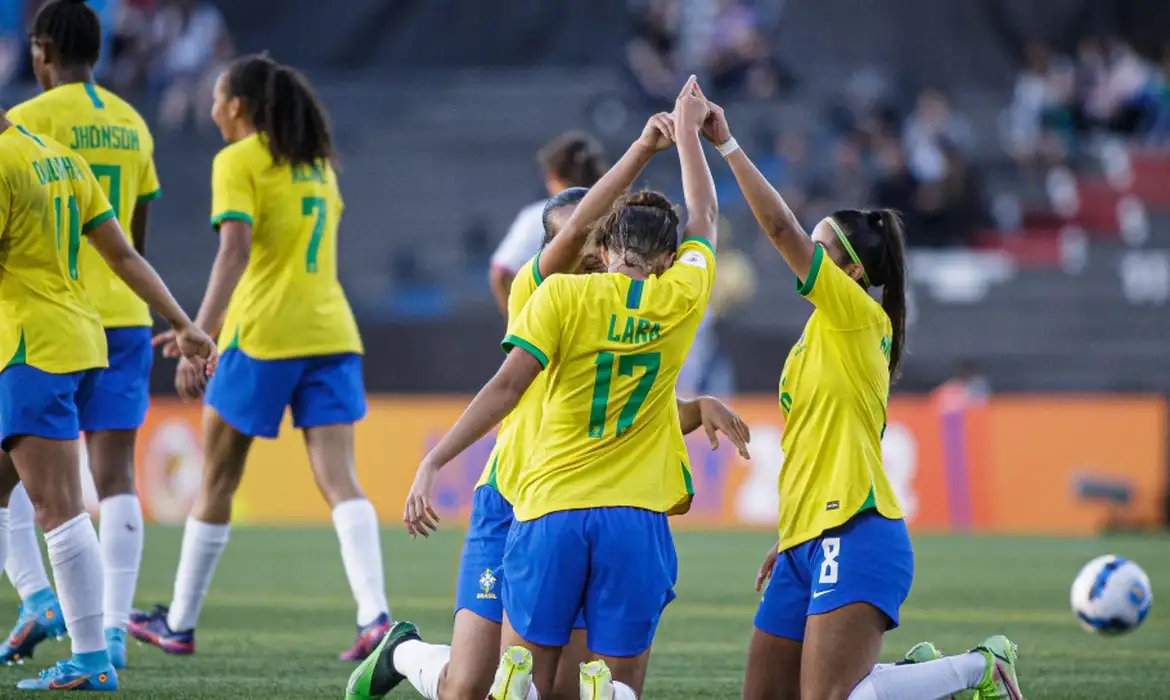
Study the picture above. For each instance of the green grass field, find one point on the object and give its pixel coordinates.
(280, 611)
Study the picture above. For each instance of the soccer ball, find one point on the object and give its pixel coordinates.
(1111, 595)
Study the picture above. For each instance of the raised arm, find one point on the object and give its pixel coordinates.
(772, 213)
(690, 111)
(564, 252)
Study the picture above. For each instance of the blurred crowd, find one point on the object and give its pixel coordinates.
(163, 53)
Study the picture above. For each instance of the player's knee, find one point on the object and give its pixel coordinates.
(113, 480)
(338, 484)
(54, 506)
(465, 684)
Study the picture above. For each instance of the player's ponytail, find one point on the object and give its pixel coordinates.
(878, 238)
(281, 105)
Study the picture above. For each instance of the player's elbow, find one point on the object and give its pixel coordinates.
(500, 278)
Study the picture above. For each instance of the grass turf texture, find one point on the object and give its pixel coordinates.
(280, 611)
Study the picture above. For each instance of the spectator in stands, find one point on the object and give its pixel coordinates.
(1113, 79)
(896, 187)
(866, 112)
(932, 123)
(1158, 125)
(951, 210)
(12, 34)
(651, 50)
(128, 68)
(737, 57)
(1042, 105)
(192, 46)
(845, 181)
(574, 159)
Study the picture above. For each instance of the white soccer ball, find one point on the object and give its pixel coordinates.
(1111, 596)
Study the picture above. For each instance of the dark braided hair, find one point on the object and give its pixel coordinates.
(575, 158)
(280, 104)
(564, 198)
(641, 228)
(74, 30)
(879, 239)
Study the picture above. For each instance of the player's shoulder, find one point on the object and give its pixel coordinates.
(696, 252)
(125, 113)
(248, 152)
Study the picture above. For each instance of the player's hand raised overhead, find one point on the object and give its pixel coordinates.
(419, 515)
(715, 127)
(658, 134)
(690, 109)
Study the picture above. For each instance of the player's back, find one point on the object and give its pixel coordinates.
(46, 319)
(289, 302)
(610, 432)
(114, 140)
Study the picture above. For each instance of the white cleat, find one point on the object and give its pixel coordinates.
(514, 675)
(596, 681)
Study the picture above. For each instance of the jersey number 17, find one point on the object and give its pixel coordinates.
(626, 364)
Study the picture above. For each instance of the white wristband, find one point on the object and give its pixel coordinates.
(728, 147)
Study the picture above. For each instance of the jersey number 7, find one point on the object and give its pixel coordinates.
(626, 364)
(309, 207)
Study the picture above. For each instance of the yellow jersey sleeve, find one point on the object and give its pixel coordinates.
(537, 330)
(840, 299)
(149, 187)
(34, 120)
(233, 193)
(92, 202)
(693, 272)
(524, 285)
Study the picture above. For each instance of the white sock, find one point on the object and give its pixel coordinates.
(24, 566)
(121, 539)
(422, 664)
(202, 545)
(3, 535)
(77, 568)
(929, 680)
(361, 553)
(621, 691)
(533, 695)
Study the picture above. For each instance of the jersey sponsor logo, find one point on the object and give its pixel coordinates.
(695, 259)
(487, 585)
(833, 505)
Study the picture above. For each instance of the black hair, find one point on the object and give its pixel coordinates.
(74, 30)
(879, 239)
(281, 105)
(574, 158)
(642, 225)
(564, 198)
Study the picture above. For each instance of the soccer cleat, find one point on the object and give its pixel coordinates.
(67, 675)
(596, 681)
(39, 620)
(368, 638)
(376, 676)
(514, 675)
(920, 653)
(999, 680)
(152, 628)
(116, 645)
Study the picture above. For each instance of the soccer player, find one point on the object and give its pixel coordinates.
(590, 531)
(463, 671)
(106, 131)
(288, 336)
(844, 564)
(52, 350)
(573, 159)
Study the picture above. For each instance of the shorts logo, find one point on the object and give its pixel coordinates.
(487, 585)
(833, 505)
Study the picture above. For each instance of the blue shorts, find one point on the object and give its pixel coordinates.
(480, 581)
(617, 565)
(251, 395)
(867, 560)
(122, 394)
(44, 405)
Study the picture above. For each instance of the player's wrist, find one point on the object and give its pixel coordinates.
(727, 147)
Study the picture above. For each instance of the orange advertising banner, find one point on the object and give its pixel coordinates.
(1011, 465)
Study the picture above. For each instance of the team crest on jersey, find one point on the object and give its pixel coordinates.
(487, 585)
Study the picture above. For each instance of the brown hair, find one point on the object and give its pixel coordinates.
(574, 158)
(644, 225)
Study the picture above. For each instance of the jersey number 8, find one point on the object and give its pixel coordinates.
(626, 364)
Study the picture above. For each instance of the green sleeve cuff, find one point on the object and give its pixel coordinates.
(97, 221)
(805, 288)
(150, 196)
(230, 216)
(536, 268)
(512, 341)
(703, 241)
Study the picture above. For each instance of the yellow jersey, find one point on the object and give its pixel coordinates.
(111, 136)
(289, 302)
(49, 200)
(519, 430)
(833, 394)
(612, 348)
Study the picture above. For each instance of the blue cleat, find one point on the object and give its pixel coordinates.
(69, 675)
(40, 619)
(116, 645)
(152, 628)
